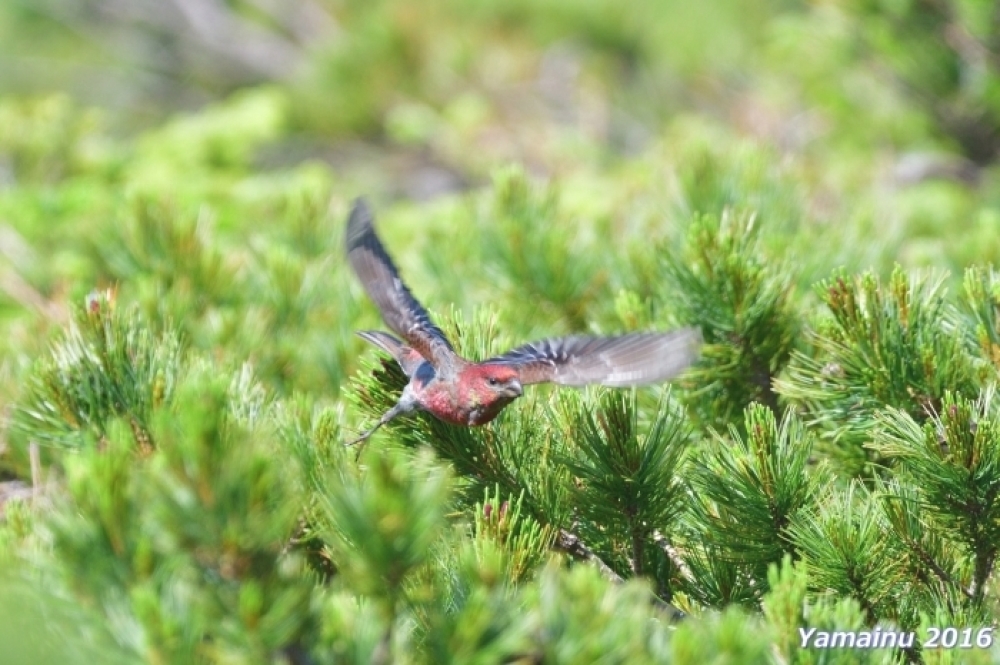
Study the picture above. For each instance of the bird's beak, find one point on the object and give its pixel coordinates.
(514, 387)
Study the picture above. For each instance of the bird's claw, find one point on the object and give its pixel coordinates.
(354, 442)
(361, 440)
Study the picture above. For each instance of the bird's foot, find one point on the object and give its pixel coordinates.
(361, 440)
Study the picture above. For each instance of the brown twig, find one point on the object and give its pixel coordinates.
(571, 544)
(672, 554)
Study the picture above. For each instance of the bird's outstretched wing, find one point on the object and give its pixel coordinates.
(400, 310)
(626, 360)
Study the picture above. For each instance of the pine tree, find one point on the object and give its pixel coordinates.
(197, 514)
(721, 282)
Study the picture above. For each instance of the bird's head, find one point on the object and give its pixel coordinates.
(498, 382)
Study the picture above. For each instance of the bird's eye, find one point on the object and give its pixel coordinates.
(493, 380)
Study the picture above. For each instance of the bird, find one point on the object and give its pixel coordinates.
(469, 393)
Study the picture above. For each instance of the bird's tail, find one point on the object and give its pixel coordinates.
(384, 341)
(407, 358)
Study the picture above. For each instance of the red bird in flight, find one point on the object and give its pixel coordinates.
(463, 392)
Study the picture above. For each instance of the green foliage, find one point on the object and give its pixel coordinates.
(389, 519)
(627, 486)
(48, 139)
(532, 256)
(485, 622)
(107, 366)
(750, 489)
(789, 610)
(720, 283)
(219, 139)
(156, 239)
(722, 175)
(521, 540)
(946, 75)
(982, 300)
(29, 611)
(844, 550)
(731, 636)
(575, 609)
(560, 167)
(184, 549)
(899, 345)
(178, 271)
(953, 463)
(923, 552)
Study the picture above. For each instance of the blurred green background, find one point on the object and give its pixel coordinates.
(861, 133)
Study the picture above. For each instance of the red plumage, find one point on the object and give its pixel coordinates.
(462, 392)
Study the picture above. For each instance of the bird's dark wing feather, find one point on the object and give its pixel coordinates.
(626, 360)
(381, 281)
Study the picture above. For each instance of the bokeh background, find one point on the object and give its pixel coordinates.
(861, 133)
(417, 101)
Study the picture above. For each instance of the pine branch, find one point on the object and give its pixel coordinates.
(741, 301)
(107, 365)
(675, 558)
(521, 538)
(898, 503)
(194, 534)
(748, 489)
(571, 544)
(954, 461)
(898, 344)
(531, 255)
(626, 483)
(717, 581)
(982, 303)
(844, 549)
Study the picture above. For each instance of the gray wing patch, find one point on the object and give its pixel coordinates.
(626, 360)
